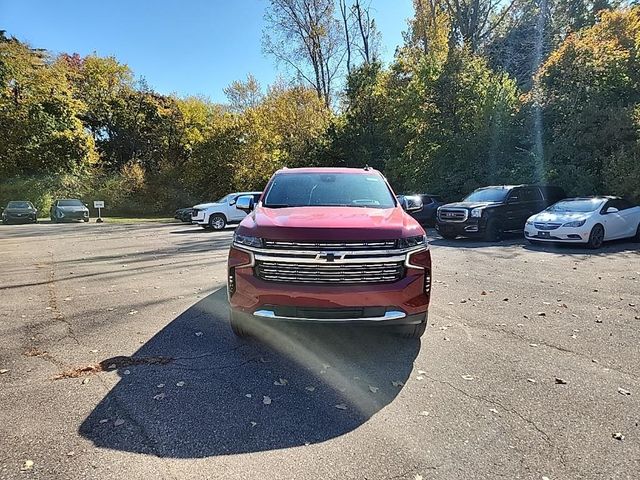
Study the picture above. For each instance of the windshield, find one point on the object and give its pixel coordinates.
(70, 203)
(19, 205)
(223, 199)
(497, 194)
(581, 205)
(329, 189)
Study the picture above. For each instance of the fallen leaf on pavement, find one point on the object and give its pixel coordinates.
(28, 465)
(180, 384)
(159, 396)
(397, 384)
(198, 334)
(281, 382)
(3, 371)
(618, 436)
(341, 406)
(424, 413)
(541, 314)
(104, 420)
(248, 395)
(85, 381)
(373, 389)
(127, 372)
(160, 385)
(531, 380)
(253, 424)
(493, 410)
(467, 377)
(266, 400)
(561, 381)
(118, 422)
(310, 388)
(623, 391)
(419, 377)
(133, 312)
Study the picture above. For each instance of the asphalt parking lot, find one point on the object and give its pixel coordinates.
(118, 363)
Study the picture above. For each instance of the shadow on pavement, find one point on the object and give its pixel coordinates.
(309, 385)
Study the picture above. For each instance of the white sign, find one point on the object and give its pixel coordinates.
(98, 204)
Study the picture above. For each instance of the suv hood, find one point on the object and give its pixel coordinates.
(469, 205)
(204, 206)
(329, 223)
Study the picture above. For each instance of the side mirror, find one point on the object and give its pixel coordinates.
(245, 203)
(410, 203)
(612, 210)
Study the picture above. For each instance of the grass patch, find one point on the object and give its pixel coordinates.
(136, 219)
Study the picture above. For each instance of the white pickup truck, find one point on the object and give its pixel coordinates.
(218, 215)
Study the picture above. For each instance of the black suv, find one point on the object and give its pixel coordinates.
(489, 211)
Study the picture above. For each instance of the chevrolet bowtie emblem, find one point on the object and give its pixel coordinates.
(330, 256)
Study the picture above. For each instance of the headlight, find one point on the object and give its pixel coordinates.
(476, 212)
(248, 241)
(529, 222)
(409, 242)
(577, 223)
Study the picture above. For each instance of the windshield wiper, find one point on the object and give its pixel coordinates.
(278, 205)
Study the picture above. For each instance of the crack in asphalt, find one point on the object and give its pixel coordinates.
(513, 411)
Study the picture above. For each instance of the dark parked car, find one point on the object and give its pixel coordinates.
(67, 210)
(19, 212)
(490, 211)
(183, 214)
(430, 203)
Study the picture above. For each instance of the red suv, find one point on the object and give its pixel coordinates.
(328, 245)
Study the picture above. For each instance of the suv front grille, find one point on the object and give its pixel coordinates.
(336, 246)
(329, 273)
(452, 214)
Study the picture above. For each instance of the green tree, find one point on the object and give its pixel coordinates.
(589, 91)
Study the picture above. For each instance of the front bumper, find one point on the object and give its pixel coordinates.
(472, 227)
(561, 234)
(18, 219)
(399, 303)
(200, 218)
(328, 316)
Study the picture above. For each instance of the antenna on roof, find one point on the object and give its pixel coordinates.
(367, 167)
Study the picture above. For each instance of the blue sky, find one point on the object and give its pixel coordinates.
(184, 47)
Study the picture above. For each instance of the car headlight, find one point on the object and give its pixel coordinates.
(246, 240)
(476, 212)
(577, 223)
(529, 222)
(409, 242)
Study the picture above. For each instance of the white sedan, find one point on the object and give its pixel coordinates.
(590, 220)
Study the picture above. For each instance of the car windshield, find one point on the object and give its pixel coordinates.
(329, 189)
(19, 205)
(581, 205)
(497, 194)
(70, 203)
(223, 199)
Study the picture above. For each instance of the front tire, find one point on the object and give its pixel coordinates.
(217, 221)
(636, 238)
(412, 331)
(596, 237)
(493, 232)
(239, 324)
(85, 220)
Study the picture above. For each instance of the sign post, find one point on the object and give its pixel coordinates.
(99, 204)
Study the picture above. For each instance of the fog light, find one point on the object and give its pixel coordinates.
(427, 281)
(231, 282)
